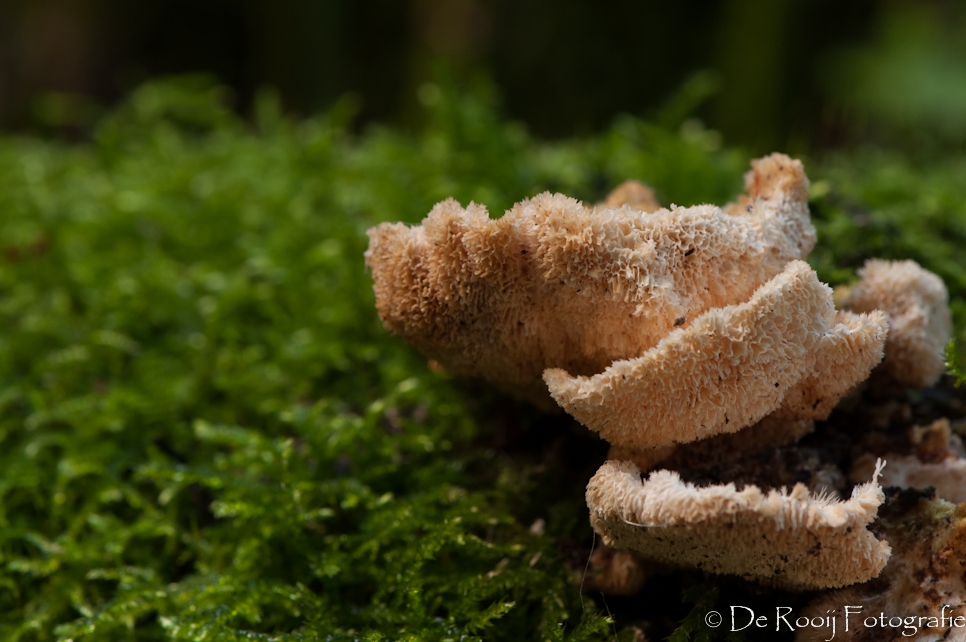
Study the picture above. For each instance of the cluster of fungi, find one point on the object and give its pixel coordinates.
(689, 336)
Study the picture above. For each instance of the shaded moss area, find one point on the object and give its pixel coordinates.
(205, 432)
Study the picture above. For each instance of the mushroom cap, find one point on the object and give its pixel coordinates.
(554, 283)
(790, 539)
(785, 348)
(920, 323)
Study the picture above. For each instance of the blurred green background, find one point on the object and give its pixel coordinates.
(784, 74)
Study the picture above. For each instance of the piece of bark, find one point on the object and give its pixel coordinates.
(923, 580)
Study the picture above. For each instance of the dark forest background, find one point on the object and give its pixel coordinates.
(792, 74)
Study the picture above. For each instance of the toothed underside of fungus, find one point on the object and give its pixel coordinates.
(924, 575)
(554, 283)
(785, 348)
(793, 540)
(920, 324)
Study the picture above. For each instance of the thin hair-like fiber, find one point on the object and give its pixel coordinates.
(593, 543)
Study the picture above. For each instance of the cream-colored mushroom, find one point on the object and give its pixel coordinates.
(667, 331)
(785, 348)
(791, 539)
(554, 283)
(920, 323)
(633, 194)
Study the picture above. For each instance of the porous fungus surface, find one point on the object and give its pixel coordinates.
(791, 539)
(555, 283)
(920, 323)
(730, 367)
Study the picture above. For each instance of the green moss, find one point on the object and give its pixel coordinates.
(954, 364)
(205, 433)
(880, 204)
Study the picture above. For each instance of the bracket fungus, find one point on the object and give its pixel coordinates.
(794, 539)
(557, 284)
(920, 324)
(682, 335)
(635, 195)
(785, 348)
